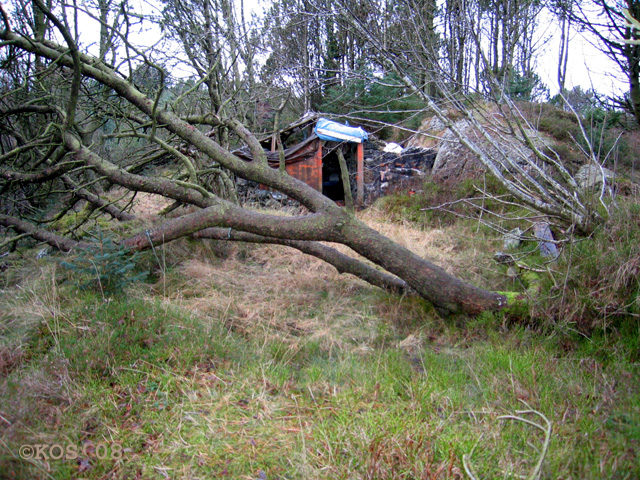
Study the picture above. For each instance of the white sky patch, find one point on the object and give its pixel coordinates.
(587, 66)
(145, 33)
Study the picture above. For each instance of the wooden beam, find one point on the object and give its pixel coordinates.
(360, 174)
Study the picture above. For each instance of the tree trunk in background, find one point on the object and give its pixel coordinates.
(632, 54)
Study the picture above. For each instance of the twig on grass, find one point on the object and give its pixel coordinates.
(535, 474)
(547, 436)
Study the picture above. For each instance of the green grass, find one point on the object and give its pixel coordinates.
(186, 397)
(274, 366)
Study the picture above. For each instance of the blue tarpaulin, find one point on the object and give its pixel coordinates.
(337, 132)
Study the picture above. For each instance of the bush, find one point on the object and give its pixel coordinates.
(420, 208)
(597, 283)
(562, 126)
(105, 266)
(602, 127)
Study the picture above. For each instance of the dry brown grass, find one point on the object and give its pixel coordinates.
(29, 323)
(146, 206)
(275, 292)
(460, 250)
(272, 291)
(278, 293)
(443, 246)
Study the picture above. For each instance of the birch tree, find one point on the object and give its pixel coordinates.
(535, 176)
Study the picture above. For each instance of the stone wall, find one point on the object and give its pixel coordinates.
(386, 172)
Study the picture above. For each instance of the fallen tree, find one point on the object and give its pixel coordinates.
(45, 148)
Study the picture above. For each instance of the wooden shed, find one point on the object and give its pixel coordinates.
(315, 161)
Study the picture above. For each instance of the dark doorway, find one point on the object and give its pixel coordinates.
(331, 181)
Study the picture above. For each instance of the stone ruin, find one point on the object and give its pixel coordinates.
(391, 171)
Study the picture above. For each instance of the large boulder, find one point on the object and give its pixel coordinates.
(455, 161)
(591, 176)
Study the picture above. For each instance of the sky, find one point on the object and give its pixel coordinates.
(587, 66)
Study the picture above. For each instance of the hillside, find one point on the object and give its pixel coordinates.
(162, 166)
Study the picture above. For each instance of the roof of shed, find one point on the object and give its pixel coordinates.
(294, 154)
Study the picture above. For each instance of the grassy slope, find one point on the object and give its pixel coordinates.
(270, 365)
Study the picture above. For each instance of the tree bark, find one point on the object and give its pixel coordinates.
(325, 222)
(447, 293)
(343, 263)
(56, 241)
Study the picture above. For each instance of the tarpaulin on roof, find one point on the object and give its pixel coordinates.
(297, 153)
(337, 132)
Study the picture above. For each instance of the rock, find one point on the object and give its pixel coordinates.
(388, 171)
(418, 157)
(542, 230)
(436, 124)
(591, 175)
(512, 239)
(455, 161)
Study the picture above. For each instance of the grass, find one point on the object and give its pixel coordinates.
(268, 364)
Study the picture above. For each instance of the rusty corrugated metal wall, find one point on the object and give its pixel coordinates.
(309, 170)
(304, 162)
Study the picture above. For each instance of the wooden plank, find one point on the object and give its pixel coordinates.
(360, 174)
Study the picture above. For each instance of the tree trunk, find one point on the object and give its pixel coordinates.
(325, 222)
(447, 293)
